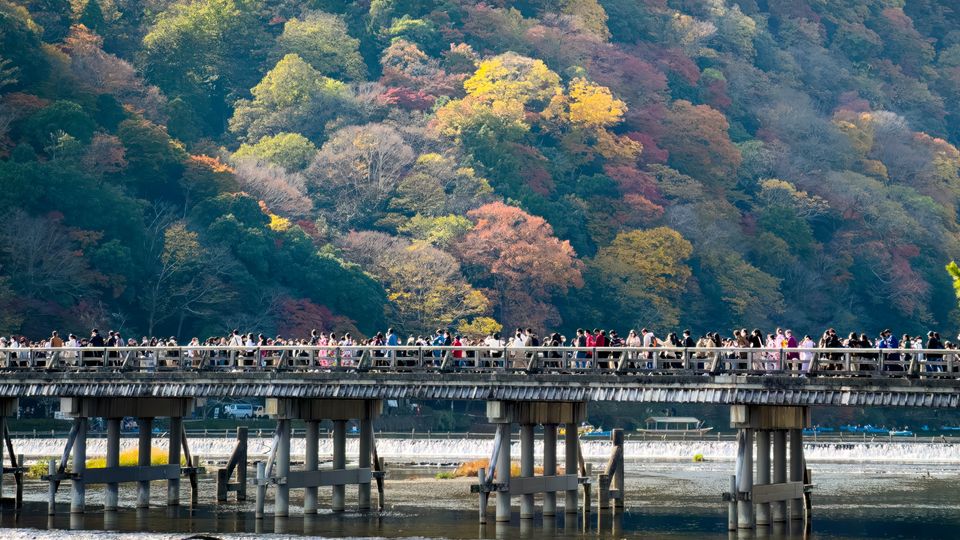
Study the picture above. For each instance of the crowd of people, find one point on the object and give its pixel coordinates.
(773, 349)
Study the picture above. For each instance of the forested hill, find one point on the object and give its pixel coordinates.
(188, 167)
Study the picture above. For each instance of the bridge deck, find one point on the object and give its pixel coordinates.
(672, 388)
(840, 377)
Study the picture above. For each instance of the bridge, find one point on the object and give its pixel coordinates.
(770, 392)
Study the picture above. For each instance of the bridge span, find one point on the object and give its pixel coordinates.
(540, 390)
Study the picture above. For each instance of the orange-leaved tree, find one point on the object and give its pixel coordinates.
(517, 258)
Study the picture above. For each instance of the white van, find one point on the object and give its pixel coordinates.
(238, 410)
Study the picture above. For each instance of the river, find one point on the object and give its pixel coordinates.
(863, 490)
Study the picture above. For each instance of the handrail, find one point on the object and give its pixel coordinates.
(793, 361)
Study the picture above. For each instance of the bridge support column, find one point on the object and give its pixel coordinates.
(144, 444)
(571, 464)
(526, 469)
(112, 495)
(339, 462)
(3, 451)
(549, 467)
(9, 408)
(78, 490)
(363, 461)
(173, 457)
(745, 478)
(503, 472)
(796, 471)
(763, 474)
(282, 505)
(769, 495)
(310, 463)
(779, 508)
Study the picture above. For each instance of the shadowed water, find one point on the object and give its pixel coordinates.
(664, 500)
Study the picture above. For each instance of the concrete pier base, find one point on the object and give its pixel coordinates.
(796, 471)
(526, 468)
(144, 445)
(527, 485)
(763, 474)
(769, 494)
(311, 460)
(571, 463)
(778, 508)
(363, 462)
(549, 468)
(339, 462)
(111, 497)
(503, 473)
(78, 491)
(311, 477)
(173, 457)
(282, 505)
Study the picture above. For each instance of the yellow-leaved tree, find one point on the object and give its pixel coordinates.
(642, 273)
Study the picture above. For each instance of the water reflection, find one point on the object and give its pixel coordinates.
(678, 501)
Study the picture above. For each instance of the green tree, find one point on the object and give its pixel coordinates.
(322, 40)
(205, 52)
(92, 17)
(291, 97)
(291, 151)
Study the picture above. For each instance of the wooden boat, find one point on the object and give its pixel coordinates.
(674, 425)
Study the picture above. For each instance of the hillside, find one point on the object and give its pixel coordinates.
(186, 167)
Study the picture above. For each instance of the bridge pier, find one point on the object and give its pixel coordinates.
(145, 409)
(313, 411)
(8, 408)
(768, 495)
(529, 414)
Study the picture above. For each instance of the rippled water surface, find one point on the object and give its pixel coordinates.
(900, 497)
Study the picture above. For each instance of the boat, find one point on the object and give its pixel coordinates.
(674, 425)
(901, 433)
(949, 428)
(583, 430)
(596, 434)
(816, 430)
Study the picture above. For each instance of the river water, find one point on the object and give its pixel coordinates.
(878, 490)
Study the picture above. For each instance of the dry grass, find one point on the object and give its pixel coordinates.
(131, 456)
(470, 468)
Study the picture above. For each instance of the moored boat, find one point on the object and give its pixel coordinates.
(674, 425)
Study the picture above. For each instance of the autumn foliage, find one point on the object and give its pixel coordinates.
(192, 166)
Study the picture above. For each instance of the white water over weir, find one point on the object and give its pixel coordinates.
(421, 451)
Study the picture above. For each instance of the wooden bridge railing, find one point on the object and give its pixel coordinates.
(943, 363)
